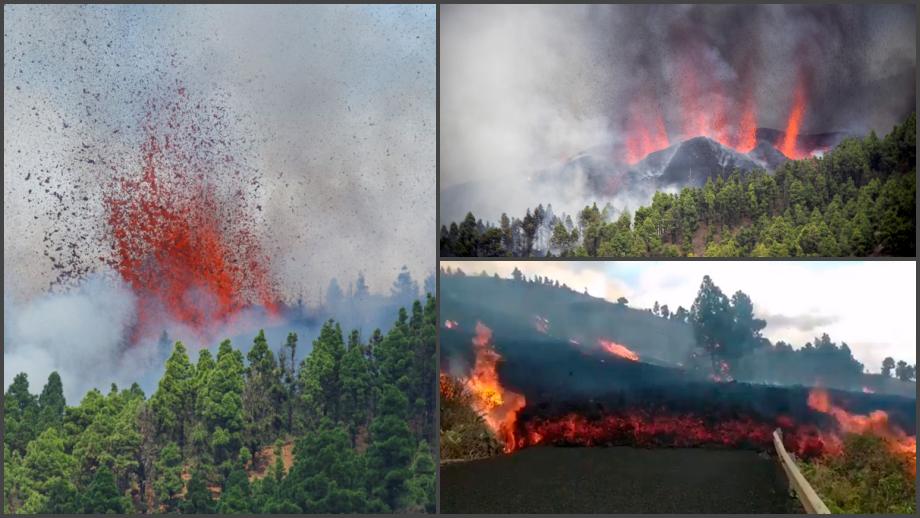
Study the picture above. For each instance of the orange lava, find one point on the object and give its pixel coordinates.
(646, 131)
(789, 145)
(177, 240)
(747, 131)
(497, 405)
(875, 423)
(618, 350)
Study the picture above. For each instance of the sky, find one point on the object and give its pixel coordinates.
(870, 305)
(336, 105)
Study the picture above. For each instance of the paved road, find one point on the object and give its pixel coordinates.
(617, 480)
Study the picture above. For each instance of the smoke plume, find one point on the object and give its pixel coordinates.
(526, 88)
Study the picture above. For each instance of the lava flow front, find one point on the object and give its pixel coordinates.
(875, 423)
(497, 405)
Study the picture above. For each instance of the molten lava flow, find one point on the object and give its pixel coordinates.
(876, 423)
(618, 350)
(646, 131)
(177, 239)
(451, 324)
(789, 146)
(646, 429)
(498, 406)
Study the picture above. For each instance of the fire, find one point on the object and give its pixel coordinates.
(648, 429)
(498, 406)
(647, 132)
(747, 132)
(876, 423)
(618, 350)
(451, 324)
(180, 242)
(789, 145)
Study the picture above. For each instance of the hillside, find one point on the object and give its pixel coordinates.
(511, 309)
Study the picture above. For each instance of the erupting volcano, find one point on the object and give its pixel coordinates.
(181, 228)
(497, 405)
(707, 111)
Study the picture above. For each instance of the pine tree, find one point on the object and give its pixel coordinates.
(391, 451)
(173, 402)
(51, 403)
(261, 395)
(356, 386)
(102, 495)
(327, 475)
(198, 498)
(319, 373)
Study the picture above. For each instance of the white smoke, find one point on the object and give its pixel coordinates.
(79, 333)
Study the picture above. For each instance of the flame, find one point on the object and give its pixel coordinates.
(182, 246)
(497, 405)
(451, 324)
(646, 130)
(618, 350)
(789, 145)
(875, 423)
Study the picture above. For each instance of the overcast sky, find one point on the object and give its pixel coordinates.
(338, 103)
(870, 305)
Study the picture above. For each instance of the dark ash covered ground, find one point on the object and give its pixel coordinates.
(618, 480)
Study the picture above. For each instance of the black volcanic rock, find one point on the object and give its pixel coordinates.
(691, 162)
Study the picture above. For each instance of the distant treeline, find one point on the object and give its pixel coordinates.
(856, 200)
(730, 343)
(360, 416)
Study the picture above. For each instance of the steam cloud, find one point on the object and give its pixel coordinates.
(525, 88)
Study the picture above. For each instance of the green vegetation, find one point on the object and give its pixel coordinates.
(464, 434)
(867, 478)
(857, 200)
(360, 417)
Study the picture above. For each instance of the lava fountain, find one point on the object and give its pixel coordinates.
(182, 232)
(789, 145)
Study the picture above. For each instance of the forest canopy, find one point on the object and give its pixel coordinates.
(350, 428)
(856, 200)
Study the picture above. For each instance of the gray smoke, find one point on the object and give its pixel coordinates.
(526, 88)
(333, 107)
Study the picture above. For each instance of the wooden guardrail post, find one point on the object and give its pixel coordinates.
(797, 482)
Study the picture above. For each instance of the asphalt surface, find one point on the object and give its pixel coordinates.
(618, 480)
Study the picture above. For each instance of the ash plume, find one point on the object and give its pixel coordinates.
(524, 89)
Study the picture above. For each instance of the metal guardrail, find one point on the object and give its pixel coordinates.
(798, 485)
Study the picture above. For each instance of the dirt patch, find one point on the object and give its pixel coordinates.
(264, 460)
